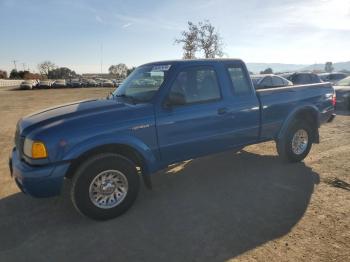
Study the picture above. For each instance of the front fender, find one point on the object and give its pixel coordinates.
(292, 115)
(147, 153)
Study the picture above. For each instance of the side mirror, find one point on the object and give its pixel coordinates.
(174, 99)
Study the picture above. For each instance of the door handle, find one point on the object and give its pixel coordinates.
(222, 111)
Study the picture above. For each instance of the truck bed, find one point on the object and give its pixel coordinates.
(278, 103)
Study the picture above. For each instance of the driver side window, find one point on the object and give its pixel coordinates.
(195, 85)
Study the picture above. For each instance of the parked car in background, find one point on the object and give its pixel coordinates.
(99, 81)
(342, 89)
(118, 82)
(74, 83)
(304, 78)
(286, 75)
(28, 84)
(332, 77)
(269, 81)
(107, 83)
(90, 83)
(45, 84)
(59, 83)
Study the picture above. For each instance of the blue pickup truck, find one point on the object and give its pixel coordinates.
(163, 113)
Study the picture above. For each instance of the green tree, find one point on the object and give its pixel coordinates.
(267, 71)
(130, 70)
(61, 73)
(14, 74)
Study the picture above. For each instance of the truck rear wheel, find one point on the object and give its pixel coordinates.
(105, 186)
(296, 143)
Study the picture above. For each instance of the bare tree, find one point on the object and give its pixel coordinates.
(120, 70)
(189, 39)
(45, 67)
(3, 74)
(203, 37)
(209, 40)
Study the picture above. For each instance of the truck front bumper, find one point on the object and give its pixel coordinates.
(37, 181)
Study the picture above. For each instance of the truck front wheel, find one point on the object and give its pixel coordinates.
(296, 143)
(105, 186)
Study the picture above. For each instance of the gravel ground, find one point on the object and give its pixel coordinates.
(247, 206)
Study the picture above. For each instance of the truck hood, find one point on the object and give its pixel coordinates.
(69, 111)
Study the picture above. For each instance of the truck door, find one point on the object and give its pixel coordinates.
(191, 119)
(243, 106)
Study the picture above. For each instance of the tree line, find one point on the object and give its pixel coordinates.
(120, 70)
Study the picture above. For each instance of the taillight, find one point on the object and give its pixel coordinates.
(334, 99)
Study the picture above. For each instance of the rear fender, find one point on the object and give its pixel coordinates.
(307, 111)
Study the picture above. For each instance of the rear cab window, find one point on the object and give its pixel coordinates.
(239, 80)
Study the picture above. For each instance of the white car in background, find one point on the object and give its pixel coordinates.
(45, 84)
(28, 84)
(59, 83)
(342, 90)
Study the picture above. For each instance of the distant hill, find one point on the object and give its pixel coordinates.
(279, 67)
(337, 66)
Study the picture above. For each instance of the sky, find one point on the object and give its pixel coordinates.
(79, 34)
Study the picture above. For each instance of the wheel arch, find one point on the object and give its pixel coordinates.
(125, 150)
(310, 114)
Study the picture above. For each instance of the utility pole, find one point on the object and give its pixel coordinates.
(14, 63)
(101, 57)
(24, 66)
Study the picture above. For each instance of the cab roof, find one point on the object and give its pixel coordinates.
(193, 61)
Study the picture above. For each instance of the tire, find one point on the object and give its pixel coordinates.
(285, 147)
(88, 183)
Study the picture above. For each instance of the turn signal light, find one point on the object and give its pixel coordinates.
(38, 150)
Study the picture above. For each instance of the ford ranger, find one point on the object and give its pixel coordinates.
(163, 113)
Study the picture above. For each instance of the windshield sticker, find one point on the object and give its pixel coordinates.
(161, 68)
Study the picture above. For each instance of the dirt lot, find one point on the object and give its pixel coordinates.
(247, 206)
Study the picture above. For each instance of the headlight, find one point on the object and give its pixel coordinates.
(34, 149)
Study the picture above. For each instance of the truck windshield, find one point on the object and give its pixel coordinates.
(143, 83)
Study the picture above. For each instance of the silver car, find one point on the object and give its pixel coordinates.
(45, 84)
(342, 89)
(59, 83)
(27, 84)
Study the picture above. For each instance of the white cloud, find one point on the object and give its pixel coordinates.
(148, 22)
(98, 19)
(127, 25)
